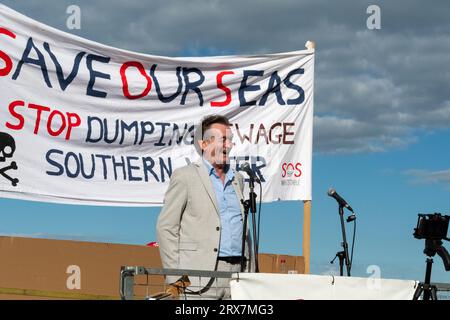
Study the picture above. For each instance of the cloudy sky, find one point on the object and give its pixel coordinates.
(381, 125)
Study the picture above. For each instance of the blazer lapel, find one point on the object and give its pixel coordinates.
(207, 184)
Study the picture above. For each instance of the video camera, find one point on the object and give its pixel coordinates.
(432, 227)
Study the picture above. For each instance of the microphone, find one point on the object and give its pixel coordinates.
(342, 202)
(246, 167)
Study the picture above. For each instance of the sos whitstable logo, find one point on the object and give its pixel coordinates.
(291, 173)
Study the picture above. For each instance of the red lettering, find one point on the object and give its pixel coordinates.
(287, 133)
(290, 168)
(221, 86)
(278, 136)
(16, 115)
(299, 171)
(49, 123)
(278, 133)
(8, 62)
(262, 132)
(140, 67)
(71, 124)
(39, 110)
(68, 120)
(245, 137)
(283, 170)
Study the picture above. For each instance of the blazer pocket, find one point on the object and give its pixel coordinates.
(188, 246)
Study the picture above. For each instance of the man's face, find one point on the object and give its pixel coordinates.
(217, 144)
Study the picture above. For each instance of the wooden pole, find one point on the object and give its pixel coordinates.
(307, 234)
(310, 45)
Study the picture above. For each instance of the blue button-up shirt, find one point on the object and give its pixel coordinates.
(230, 213)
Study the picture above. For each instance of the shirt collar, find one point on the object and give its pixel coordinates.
(229, 175)
(209, 167)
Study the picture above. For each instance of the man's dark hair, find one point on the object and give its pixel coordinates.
(205, 124)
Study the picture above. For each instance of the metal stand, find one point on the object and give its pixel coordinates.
(428, 290)
(432, 246)
(343, 255)
(246, 205)
(250, 205)
(340, 255)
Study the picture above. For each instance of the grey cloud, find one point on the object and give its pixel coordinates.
(337, 135)
(373, 88)
(426, 176)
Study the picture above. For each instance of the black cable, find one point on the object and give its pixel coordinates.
(259, 216)
(353, 243)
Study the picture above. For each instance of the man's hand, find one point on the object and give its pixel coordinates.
(178, 287)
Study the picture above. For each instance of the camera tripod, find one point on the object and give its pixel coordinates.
(428, 290)
(432, 247)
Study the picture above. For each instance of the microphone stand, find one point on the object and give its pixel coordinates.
(246, 205)
(340, 255)
(250, 204)
(343, 255)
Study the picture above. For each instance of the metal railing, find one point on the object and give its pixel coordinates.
(443, 290)
(128, 275)
(155, 286)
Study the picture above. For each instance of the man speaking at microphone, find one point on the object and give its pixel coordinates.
(200, 225)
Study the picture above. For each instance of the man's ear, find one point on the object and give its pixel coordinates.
(202, 144)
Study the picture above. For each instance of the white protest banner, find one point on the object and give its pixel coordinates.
(84, 123)
(270, 286)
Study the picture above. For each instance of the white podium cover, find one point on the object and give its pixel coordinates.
(269, 286)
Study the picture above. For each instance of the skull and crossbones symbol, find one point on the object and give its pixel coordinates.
(7, 149)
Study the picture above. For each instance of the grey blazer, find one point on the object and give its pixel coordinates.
(188, 227)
